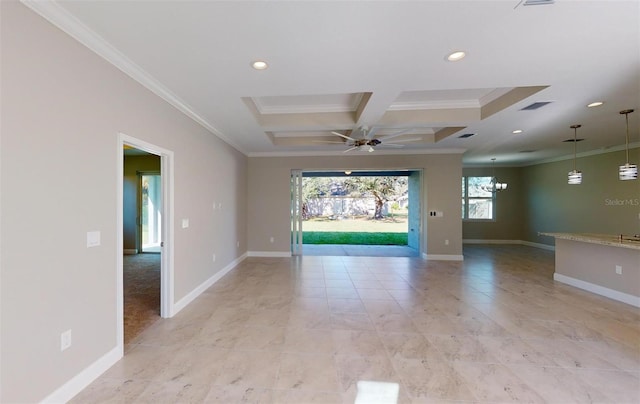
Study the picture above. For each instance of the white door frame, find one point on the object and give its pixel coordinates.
(166, 271)
(296, 212)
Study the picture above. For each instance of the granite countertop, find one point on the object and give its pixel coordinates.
(628, 241)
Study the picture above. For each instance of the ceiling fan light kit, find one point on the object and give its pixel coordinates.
(627, 171)
(371, 142)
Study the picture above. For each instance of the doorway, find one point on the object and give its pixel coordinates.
(145, 235)
(356, 212)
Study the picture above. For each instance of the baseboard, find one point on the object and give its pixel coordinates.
(280, 254)
(130, 251)
(487, 241)
(518, 242)
(83, 379)
(597, 289)
(443, 257)
(182, 303)
(539, 245)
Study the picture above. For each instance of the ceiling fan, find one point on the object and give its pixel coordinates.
(369, 143)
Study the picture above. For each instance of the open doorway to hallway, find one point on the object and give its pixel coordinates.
(142, 238)
(160, 160)
(356, 212)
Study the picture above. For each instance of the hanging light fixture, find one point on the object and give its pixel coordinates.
(575, 176)
(494, 185)
(628, 171)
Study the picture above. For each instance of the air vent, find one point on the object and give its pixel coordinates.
(535, 105)
(466, 135)
(571, 140)
(527, 151)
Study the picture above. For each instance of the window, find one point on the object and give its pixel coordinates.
(477, 202)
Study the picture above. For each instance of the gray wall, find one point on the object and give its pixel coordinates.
(510, 209)
(133, 164)
(591, 207)
(539, 199)
(62, 108)
(269, 196)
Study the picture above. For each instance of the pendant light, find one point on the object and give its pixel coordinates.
(575, 176)
(628, 171)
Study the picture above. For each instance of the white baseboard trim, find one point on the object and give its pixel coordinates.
(488, 241)
(83, 379)
(280, 254)
(130, 251)
(520, 242)
(540, 245)
(597, 289)
(182, 303)
(443, 257)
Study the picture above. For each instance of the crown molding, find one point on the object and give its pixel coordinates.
(68, 23)
(443, 104)
(306, 109)
(584, 154)
(354, 154)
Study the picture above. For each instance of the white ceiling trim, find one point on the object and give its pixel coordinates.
(420, 105)
(306, 109)
(61, 18)
(612, 149)
(494, 95)
(355, 153)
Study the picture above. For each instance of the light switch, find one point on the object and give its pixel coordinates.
(185, 223)
(93, 239)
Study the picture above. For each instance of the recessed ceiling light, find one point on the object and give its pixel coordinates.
(259, 65)
(455, 56)
(517, 131)
(595, 104)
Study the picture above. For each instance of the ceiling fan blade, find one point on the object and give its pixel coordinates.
(369, 135)
(344, 136)
(352, 148)
(414, 139)
(391, 145)
(327, 141)
(402, 132)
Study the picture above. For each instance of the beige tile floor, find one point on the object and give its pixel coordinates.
(494, 328)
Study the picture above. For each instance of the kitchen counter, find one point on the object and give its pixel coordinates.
(600, 263)
(604, 239)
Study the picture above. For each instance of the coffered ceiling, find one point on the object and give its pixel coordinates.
(380, 68)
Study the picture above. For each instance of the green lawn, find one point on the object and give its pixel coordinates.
(356, 231)
(353, 238)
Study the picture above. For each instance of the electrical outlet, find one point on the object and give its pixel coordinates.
(446, 242)
(65, 340)
(214, 258)
(271, 239)
(237, 244)
(619, 269)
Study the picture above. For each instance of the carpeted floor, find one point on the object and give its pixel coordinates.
(141, 293)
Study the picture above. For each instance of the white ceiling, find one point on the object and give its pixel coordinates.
(341, 65)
